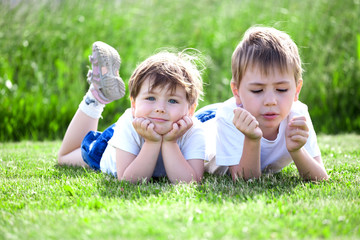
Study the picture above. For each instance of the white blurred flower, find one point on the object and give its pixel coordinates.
(8, 84)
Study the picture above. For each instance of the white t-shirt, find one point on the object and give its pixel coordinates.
(274, 155)
(191, 144)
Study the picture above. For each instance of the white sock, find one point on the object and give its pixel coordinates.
(90, 106)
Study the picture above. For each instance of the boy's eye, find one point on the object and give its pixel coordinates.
(282, 89)
(173, 101)
(256, 91)
(150, 98)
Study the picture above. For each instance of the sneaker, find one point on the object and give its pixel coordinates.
(105, 83)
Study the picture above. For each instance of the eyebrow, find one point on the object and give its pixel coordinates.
(171, 94)
(276, 83)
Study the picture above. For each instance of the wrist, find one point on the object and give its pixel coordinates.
(168, 143)
(152, 142)
(296, 153)
(255, 140)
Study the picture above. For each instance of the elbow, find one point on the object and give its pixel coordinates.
(316, 178)
(245, 175)
(324, 177)
(252, 177)
(248, 178)
(60, 159)
(131, 179)
(196, 180)
(191, 179)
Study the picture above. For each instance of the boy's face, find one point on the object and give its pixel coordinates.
(161, 106)
(268, 98)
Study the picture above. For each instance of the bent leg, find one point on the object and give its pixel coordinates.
(70, 150)
(105, 86)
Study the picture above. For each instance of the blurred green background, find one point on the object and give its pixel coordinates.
(44, 48)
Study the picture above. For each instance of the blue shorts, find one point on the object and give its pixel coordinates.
(95, 143)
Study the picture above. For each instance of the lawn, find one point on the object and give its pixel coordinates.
(45, 46)
(41, 200)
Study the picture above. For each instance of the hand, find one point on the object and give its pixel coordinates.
(179, 129)
(145, 128)
(296, 133)
(247, 124)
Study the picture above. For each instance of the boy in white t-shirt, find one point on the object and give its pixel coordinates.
(153, 138)
(264, 127)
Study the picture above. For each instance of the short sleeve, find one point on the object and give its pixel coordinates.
(192, 144)
(229, 142)
(125, 137)
(311, 144)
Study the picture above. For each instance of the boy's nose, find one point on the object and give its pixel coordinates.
(270, 99)
(160, 108)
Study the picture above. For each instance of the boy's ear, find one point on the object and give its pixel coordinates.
(298, 89)
(235, 92)
(192, 109)
(132, 106)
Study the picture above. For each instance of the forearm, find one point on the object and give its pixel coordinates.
(249, 166)
(177, 167)
(142, 167)
(309, 168)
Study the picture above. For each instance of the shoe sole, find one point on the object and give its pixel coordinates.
(110, 86)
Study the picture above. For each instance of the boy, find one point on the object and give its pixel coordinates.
(264, 127)
(156, 136)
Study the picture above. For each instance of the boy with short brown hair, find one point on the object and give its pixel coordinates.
(264, 127)
(153, 138)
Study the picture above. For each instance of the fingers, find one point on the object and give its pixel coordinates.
(184, 123)
(297, 133)
(298, 128)
(179, 128)
(246, 123)
(142, 123)
(243, 118)
(145, 128)
(299, 122)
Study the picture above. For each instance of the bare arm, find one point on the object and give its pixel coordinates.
(309, 168)
(178, 169)
(134, 168)
(297, 134)
(249, 166)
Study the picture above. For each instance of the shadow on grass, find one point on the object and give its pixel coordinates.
(213, 189)
(219, 189)
(72, 171)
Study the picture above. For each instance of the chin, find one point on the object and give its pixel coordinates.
(162, 130)
(271, 125)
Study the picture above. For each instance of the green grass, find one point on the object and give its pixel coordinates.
(40, 200)
(45, 46)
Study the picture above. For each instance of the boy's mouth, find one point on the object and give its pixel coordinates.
(157, 119)
(270, 116)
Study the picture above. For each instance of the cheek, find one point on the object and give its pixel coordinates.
(178, 113)
(138, 110)
(250, 101)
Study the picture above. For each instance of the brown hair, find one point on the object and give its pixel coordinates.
(166, 69)
(266, 48)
